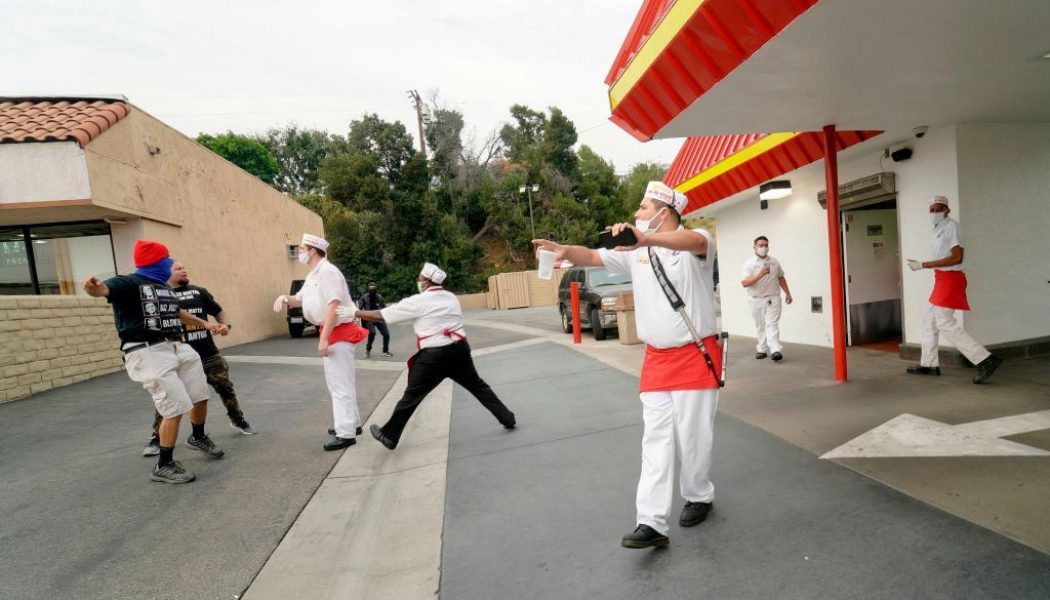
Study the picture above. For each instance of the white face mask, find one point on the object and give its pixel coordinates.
(938, 217)
(647, 224)
(304, 257)
(762, 251)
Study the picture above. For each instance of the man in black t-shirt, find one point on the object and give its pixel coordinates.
(371, 300)
(200, 303)
(149, 322)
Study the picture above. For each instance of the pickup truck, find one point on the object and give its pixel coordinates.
(599, 290)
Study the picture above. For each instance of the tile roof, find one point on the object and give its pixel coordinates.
(54, 120)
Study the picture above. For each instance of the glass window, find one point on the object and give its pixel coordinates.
(66, 254)
(15, 277)
(60, 257)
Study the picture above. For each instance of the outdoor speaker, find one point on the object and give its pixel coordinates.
(902, 154)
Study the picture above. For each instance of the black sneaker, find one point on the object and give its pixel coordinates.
(368, 354)
(986, 368)
(172, 473)
(760, 355)
(511, 425)
(694, 513)
(243, 427)
(205, 445)
(777, 357)
(645, 537)
(152, 447)
(358, 431)
(921, 370)
(377, 433)
(338, 443)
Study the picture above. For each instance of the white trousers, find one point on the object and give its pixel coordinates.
(341, 376)
(766, 313)
(940, 321)
(681, 424)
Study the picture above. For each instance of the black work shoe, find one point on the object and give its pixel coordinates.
(777, 356)
(645, 537)
(511, 425)
(694, 513)
(358, 431)
(986, 367)
(377, 433)
(387, 354)
(761, 355)
(338, 443)
(368, 354)
(152, 447)
(205, 445)
(921, 370)
(172, 473)
(243, 426)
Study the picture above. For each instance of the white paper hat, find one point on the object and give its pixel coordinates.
(658, 190)
(939, 200)
(432, 272)
(316, 241)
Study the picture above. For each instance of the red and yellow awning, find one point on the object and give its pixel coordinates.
(710, 168)
(678, 49)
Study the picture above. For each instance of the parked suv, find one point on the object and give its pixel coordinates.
(296, 323)
(598, 292)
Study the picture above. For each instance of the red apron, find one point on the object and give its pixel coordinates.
(347, 332)
(681, 368)
(949, 290)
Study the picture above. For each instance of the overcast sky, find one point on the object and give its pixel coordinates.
(212, 66)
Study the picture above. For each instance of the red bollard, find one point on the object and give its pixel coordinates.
(574, 296)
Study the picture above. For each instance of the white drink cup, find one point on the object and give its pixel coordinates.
(546, 264)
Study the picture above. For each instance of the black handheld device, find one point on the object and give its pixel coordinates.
(607, 240)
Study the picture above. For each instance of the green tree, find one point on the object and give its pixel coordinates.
(299, 154)
(244, 151)
(390, 143)
(632, 188)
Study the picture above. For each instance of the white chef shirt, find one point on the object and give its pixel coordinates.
(658, 324)
(434, 311)
(769, 285)
(324, 283)
(946, 236)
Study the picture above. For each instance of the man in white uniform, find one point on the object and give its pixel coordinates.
(437, 320)
(678, 387)
(323, 291)
(949, 295)
(764, 278)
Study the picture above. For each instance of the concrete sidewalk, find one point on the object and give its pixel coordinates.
(538, 512)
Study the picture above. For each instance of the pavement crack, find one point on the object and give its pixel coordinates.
(385, 473)
(542, 442)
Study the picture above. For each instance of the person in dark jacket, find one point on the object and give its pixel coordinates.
(372, 300)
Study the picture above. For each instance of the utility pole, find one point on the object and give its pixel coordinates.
(414, 95)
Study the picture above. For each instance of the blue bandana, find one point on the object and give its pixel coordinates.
(159, 271)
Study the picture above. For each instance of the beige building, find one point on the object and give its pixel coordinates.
(80, 180)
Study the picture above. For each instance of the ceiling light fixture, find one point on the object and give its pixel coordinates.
(773, 190)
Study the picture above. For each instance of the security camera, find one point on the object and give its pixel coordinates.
(920, 131)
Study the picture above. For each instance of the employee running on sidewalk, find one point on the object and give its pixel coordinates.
(437, 320)
(949, 295)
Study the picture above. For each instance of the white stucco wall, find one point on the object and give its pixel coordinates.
(1004, 190)
(797, 229)
(55, 171)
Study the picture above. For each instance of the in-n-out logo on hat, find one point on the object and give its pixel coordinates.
(660, 191)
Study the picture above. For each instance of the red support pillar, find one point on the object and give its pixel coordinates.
(574, 302)
(838, 290)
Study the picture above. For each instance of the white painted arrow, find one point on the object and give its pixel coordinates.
(912, 436)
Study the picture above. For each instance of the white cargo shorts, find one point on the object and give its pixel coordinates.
(172, 373)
